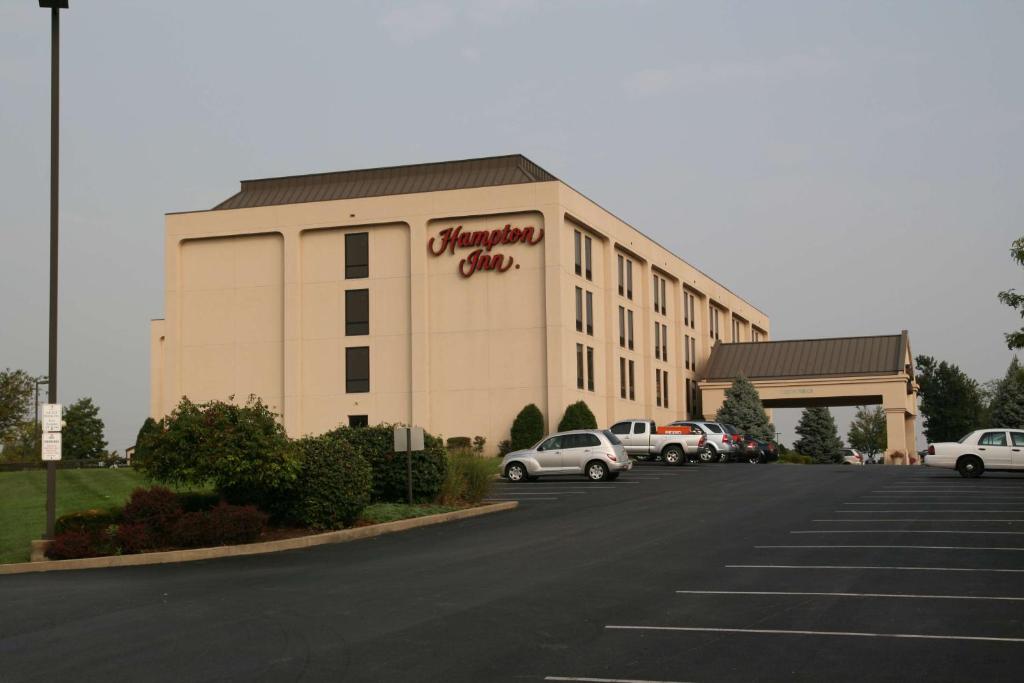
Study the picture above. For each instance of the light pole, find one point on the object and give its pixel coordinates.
(55, 6)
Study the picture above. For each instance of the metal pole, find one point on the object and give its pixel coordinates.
(408, 460)
(51, 467)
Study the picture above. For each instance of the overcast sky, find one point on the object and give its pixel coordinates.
(850, 168)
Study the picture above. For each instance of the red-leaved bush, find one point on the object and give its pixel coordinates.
(223, 525)
(156, 508)
(133, 538)
(73, 544)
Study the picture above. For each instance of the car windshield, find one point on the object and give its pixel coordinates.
(611, 437)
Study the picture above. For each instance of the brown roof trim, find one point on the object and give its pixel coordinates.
(801, 358)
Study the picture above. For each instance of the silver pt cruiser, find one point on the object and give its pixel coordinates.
(596, 453)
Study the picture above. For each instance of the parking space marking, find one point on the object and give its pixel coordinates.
(928, 502)
(777, 631)
(545, 493)
(901, 531)
(841, 566)
(860, 595)
(605, 680)
(917, 547)
(889, 512)
(531, 500)
(944, 519)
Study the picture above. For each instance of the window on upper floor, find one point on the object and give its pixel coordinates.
(357, 255)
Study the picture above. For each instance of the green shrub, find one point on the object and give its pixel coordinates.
(796, 459)
(89, 521)
(196, 501)
(527, 428)
(389, 471)
(504, 447)
(241, 449)
(334, 483)
(468, 480)
(478, 444)
(577, 416)
(459, 442)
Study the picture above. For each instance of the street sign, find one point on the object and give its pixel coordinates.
(416, 439)
(51, 445)
(52, 417)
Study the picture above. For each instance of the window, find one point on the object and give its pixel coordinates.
(657, 386)
(587, 253)
(713, 330)
(576, 248)
(552, 444)
(357, 370)
(992, 439)
(656, 306)
(357, 255)
(686, 309)
(621, 428)
(664, 387)
(622, 327)
(579, 309)
(756, 335)
(664, 343)
(620, 275)
(590, 368)
(358, 421)
(639, 427)
(357, 312)
(632, 392)
(1018, 438)
(587, 440)
(713, 428)
(622, 377)
(689, 303)
(664, 304)
(590, 313)
(629, 330)
(686, 350)
(579, 366)
(657, 340)
(693, 354)
(629, 279)
(736, 330)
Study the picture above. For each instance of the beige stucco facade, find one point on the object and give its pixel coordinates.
(255, 304)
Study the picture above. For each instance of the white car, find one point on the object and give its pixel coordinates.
(597, 454)
(997, 449)
(851, 456)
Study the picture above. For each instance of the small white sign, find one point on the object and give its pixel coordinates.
(52, 417)
(51, 446)
(416, 439)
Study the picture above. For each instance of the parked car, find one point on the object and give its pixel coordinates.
(718, 445)
(851, 456)
(597, 454)
(759, 451)
(738, 437)
(996, 449)
(643, 439)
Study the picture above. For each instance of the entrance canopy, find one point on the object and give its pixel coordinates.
(842, 371)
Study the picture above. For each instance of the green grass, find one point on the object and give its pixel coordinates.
(390, 512)
(23, 501)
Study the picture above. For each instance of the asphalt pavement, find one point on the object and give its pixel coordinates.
(700, 573)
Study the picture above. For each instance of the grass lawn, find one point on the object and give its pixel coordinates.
(390, 512)
(23, 501)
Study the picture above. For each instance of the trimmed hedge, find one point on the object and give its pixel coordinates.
(389, 475)
(334, 483)
(89, 521)
(577, 416)
(223, 525)
(527, 428)
(459, 442)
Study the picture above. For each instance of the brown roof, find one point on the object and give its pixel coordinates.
(880, 355)
(513, 169)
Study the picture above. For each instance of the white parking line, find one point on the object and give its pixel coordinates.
(860, 595)
(928, 502)
(903, 531)
(944, 519)
(915, 547)
(840, 566)
(889, 512)
(776, 631)
(605, 680)
(545, 493)
(531, 500)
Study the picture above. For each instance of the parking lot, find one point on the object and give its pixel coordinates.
(701, 573)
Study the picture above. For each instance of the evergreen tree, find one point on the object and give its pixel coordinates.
(950, 400)
(743, 409)
(1007, 407)
(868, 430)
(527, 429)
(577, 416)
(819, 437)
(83, 433)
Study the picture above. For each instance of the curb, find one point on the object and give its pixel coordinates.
(194, 554)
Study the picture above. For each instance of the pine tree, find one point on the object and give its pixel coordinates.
(743, 409)
(578, 416)
(868, 432)
(83, 435)
(1007, 407)
(527, 428)
(819, 437)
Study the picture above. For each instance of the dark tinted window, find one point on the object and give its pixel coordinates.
(993, 439)
(620, 428)
(357, 255)
(358, 421)
(357, 369)
(639, 427)
(357, 311)
(713, 428)
(612, 438)
(587, 440)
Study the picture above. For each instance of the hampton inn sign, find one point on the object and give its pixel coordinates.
(482, 242)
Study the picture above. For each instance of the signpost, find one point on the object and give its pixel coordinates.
(408, 439)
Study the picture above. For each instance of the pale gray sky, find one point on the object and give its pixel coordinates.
(849, 167)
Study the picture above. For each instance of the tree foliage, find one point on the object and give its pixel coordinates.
(868, 430)
(527, 428)
(950, 400)
(819, 437)
(577, 416)
(743, 409)
(21, 444)
(16, 387)
(1006, 408)
(83, 432)
(334, 483)
(1010, 297)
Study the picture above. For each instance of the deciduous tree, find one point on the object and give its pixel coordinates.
(83, 432)
(867, 431)
(16, 387)
(1010, 297)
(950, 400)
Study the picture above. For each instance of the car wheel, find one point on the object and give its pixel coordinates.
(754, 459)
(708, 454)
(596, 471)
(673, 455)
(723, 457)
(516, 472)
(970, 466)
